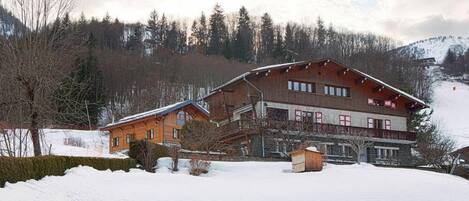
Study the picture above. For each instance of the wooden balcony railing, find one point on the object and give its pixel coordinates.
(315, 129)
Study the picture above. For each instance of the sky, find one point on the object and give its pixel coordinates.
(403, 20)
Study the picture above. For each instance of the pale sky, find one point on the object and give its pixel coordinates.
(403, 20)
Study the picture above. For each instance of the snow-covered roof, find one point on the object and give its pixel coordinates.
(285, 65)
(159, 112)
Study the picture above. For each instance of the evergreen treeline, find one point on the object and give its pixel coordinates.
(144, 66)
(456, 63)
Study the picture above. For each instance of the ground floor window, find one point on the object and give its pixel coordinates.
(150, 134)
(346, 150)
(277, 114)
(129, 138)
(175, 133)
(387, 152)
(115, 142)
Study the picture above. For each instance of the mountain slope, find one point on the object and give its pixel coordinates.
(450, 109)
(436, 47)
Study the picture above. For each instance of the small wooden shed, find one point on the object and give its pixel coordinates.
(308, 159)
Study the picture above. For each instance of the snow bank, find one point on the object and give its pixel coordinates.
(451, 107)
(269, 181)
(67, 142)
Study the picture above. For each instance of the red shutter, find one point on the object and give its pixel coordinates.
(370, 123)
(319, 117)
(387, 124)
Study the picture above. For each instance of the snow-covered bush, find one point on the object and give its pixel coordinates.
(198, 166)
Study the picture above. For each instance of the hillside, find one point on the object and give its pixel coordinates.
(436, 47)
(67, 142)
(269, 181)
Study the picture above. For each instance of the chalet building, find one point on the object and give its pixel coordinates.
(327, 103)
(161, 125)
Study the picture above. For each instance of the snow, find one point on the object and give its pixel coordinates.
(450, 109)
(312, 149)
(437, 47)
(260, 181)
(61, 142)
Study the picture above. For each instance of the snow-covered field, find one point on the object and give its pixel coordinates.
(451, 106)
(269, 181)
(66, 142)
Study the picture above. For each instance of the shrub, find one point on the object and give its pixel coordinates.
(147, 153)
(21, 169)
(198, 166)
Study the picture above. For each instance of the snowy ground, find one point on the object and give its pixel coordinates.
(257, 181)
(451, 106)
(67, 142)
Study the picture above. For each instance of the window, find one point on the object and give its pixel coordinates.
(387, 152)
(319, 117)
(345, 120)
(371, 123)
(150, 134)
(129, 138)
(183, 117)
(115, 142)
(346, 150)
(387, 124)
(301, 86)
(329, 148)
(381, 103)
(377, 123)
(277, 114)
(175, 133)
(336, 91)
(303, 116)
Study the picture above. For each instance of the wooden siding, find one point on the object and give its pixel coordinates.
(275, 89)
(274, 86)
(161, 125)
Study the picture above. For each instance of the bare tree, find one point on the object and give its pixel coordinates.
(203, 136)
(33, 61)
(359, 145)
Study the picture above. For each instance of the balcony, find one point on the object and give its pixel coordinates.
(251, 127)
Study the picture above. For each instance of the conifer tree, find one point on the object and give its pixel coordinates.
(243, 43)
(218, 31)
(267, 37)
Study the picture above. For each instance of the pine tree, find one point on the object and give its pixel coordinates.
(193, 40)
(135, 40)
(84, 86)
(173, 43)
(218, 31)
(267, 37)
(289, 42)
(279, 46)
(243, 43)
(152, 30)
(202, 33)
(320, 36)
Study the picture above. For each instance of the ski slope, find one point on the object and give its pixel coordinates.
(436, 47)
(249, 181)
(450, 110)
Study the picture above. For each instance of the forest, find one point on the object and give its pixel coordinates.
(104, 69)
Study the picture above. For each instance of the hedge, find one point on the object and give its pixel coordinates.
(13, 170)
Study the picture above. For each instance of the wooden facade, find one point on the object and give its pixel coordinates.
(334, 99)
(161, 127)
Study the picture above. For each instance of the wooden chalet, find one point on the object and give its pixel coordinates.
(161, 125)
(331, 102)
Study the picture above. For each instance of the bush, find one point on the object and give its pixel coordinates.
(198, 166)
(21, 169)
(147, 153)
